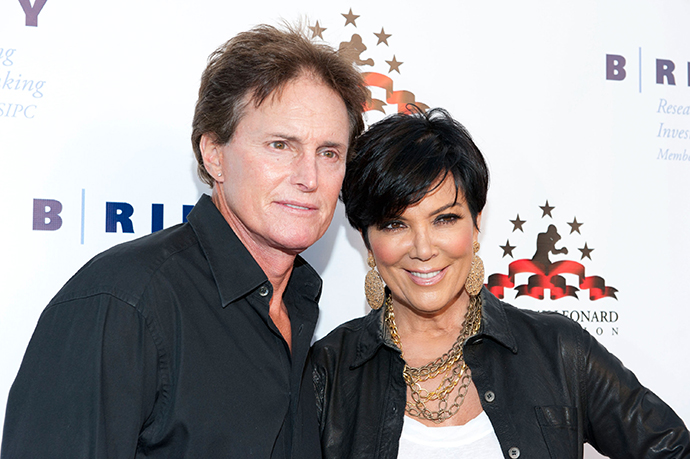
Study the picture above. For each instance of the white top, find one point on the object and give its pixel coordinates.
(474, 440)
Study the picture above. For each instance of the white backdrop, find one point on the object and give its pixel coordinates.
(96, 101)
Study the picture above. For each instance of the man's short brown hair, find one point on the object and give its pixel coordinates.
(258, 63)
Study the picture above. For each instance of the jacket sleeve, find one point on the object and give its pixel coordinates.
(623, 418)
(319, 377)
(86, 385)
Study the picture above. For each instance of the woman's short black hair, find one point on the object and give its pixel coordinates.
(400, 159)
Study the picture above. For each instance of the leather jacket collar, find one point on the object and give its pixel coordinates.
(375, 333)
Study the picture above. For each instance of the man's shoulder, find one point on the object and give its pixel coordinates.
(125, 270)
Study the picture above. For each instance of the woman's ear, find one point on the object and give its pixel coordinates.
(212, 155)
(478, 226)
(365, 238)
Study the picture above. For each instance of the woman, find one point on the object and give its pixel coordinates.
(440, 367)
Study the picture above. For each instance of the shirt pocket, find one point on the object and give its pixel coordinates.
(559, 427)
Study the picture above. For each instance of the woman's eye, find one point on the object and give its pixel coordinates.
(392, 225)
(448, 218)
(279, 145)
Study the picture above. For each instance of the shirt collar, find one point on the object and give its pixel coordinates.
(495, 323)
(234, 269)
(375, 333)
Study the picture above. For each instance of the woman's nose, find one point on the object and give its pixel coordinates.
(422, 245)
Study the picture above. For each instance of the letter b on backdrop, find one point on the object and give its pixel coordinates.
(615, 67)
(47, 215)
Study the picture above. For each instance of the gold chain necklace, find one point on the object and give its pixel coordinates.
(452, 364)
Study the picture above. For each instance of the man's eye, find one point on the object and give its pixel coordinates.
(279, 145)
(329, 154)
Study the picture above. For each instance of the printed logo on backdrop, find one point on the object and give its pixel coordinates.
(371, 51)
(672, 109)
(20, 92)
(551, 261)
(31, 11)
(118, 215)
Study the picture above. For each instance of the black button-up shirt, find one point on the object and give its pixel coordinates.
(163, 348)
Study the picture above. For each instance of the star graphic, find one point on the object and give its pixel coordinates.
(383, 37)
(350, 18)
(394, 65)
(585, 252)
(517, 223)
(546, 208)
(317, 30)
(575, 226)
(507, 249)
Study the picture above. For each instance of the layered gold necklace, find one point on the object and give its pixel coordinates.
(451, 366)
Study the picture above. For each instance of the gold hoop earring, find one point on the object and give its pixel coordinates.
(374, 288)
(475, 279)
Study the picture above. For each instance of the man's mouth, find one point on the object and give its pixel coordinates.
(295, 206)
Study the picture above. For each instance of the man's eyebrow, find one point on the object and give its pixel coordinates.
(292, 138)
(334, 145)
(279, 135)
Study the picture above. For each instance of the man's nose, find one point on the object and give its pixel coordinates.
(305, 172)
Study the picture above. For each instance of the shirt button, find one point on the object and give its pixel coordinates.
(489, 396)
(514, 452)
(263, 290)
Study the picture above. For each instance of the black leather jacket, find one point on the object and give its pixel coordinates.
(546, 384)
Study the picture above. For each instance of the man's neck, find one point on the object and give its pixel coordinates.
(275, 263)
(278, 268)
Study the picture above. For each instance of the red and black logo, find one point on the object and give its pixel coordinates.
(544, 274)
(369, 59)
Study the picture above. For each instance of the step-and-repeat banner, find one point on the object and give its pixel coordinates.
(581, 108)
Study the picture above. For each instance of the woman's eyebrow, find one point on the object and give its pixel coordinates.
(445, 207)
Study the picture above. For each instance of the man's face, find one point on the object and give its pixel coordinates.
(283, 168)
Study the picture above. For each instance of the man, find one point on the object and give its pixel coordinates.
(191, 342)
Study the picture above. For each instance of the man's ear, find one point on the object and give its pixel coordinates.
(212, 155)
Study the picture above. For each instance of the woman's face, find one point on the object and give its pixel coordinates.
(425, 255)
